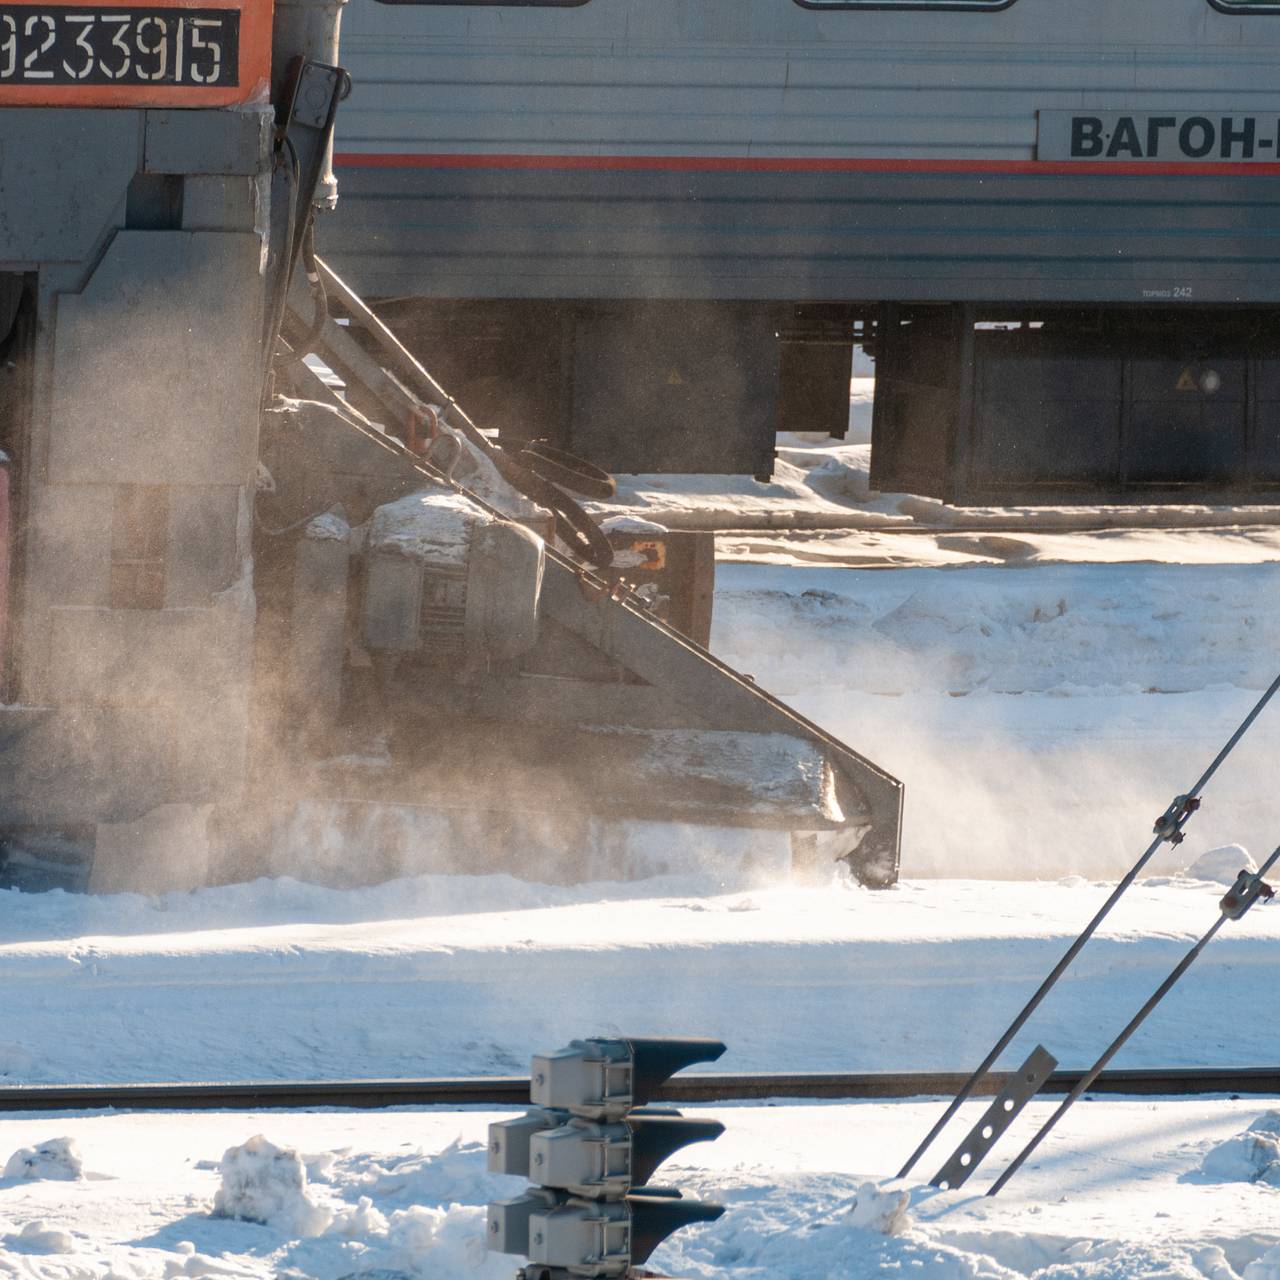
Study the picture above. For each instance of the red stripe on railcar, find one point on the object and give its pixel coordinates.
(794, 164)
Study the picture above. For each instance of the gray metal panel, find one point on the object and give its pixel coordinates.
(210, 202)
(685, 388)
(223, 142)
(908, 236)
(180, 658)
(63, 765)
(766, 79)
(69, 545)
(39, 223)
(751, 77)
(145, 371)
(178, 310)
(206, 528)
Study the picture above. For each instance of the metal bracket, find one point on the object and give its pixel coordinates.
(1168, 826)
(1248, 888)
(1022, 1086)
(304, 134)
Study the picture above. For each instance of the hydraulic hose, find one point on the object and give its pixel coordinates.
(287, 162)
(567, 471)
(575, 528)
(319, 298)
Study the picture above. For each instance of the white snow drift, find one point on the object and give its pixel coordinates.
(54, 1158)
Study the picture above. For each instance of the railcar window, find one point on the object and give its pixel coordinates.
(1246, 6)
(987, 5)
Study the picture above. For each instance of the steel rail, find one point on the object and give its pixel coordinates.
(505, 1091)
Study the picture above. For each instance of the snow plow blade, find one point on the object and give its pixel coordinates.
(769, 781)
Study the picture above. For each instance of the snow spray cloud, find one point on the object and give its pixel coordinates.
(1040, 717)
(346, 844)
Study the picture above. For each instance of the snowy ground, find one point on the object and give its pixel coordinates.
(452, 976)
(1042, 695)
(820, 493)
(1117, 1193)
(819, 506)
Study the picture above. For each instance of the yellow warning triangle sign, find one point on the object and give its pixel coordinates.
(1187, 382)
(674, 379)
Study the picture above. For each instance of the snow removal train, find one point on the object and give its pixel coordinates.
(241, 590)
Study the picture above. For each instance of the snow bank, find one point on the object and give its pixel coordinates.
(189, 1261)
(435, 1243)
(457, 1174)
(1222, 865)
(419, 1214)
(1266, 1267)
(38, 1236)
(388, 1228)
(1252, 1156)
(357, 1222)
(882, 1211)
(1062, 629)
(57, 1160)
(268, 1184)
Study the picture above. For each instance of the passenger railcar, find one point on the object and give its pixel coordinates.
(650, 230)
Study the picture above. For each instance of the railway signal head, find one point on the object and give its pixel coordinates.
(607, 1238)
(595, 1160)
(605, 1078)
(509, 1140)
(591, 1146)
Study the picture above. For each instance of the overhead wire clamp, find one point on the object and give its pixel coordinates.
(1248, 888)
(1170, 823)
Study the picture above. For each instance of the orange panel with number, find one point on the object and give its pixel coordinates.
(176, 53)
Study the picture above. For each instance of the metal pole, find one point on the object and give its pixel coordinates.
(1118, 1043)
(1112, 1049)
(1169, 828)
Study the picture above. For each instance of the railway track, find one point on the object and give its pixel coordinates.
(705, 1088)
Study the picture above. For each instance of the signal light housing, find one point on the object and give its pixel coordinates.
(590, 1146)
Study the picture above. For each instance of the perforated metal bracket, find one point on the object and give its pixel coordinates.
(1022, 1086)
